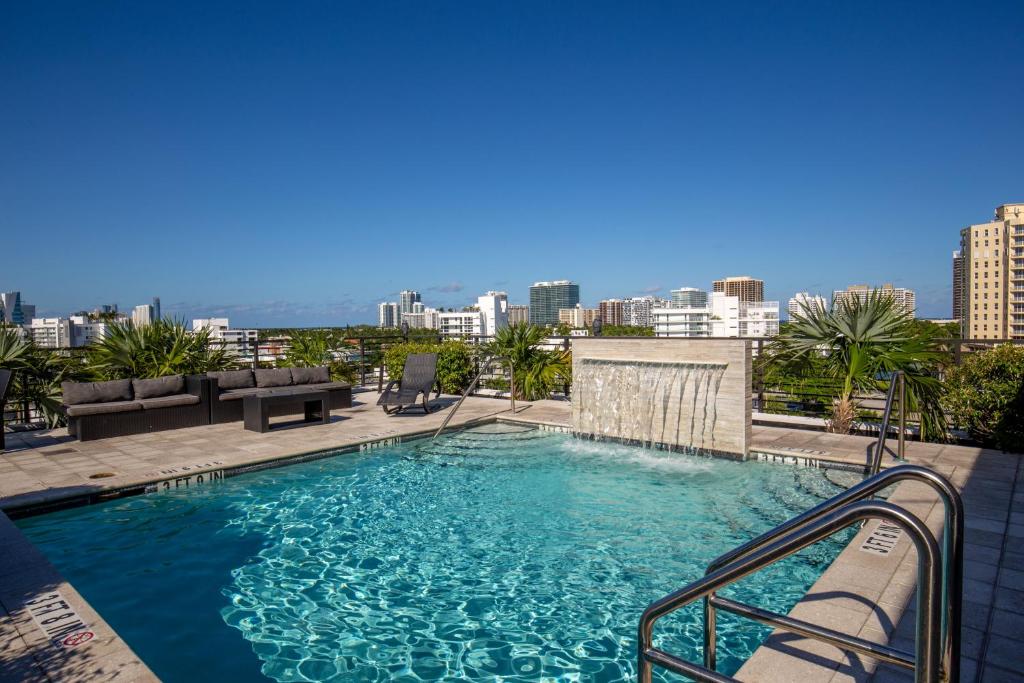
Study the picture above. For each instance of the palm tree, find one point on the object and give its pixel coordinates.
(164, 347)
(317, 348)
(38, 372)
(856, 346)
(537, 371)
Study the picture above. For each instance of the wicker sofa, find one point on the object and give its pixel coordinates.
(228, 388)
(97, 410)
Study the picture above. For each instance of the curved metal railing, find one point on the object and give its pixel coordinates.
(757, 551)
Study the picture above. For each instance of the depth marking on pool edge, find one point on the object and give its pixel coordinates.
(186, 481)
(59, 621)
(882, 540)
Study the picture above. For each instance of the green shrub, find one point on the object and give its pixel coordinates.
(454, 362)
(985, 395)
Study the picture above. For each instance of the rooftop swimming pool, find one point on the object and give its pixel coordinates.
(498, 553)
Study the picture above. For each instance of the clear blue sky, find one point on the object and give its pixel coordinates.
(297, 162)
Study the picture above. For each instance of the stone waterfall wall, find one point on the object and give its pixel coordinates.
(679, 393)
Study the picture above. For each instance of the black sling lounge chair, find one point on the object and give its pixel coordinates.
(419, 377)
(5, 383)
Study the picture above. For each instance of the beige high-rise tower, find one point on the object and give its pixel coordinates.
(744, 286)
(992, 279)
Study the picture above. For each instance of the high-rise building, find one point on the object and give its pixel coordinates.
(905, 298)
(992, 295)
(636, 311)
(423, 317)
(577, 316)
(387, 314)
(142, 315)
(157, 314)
(242, 343)
(546, 298)
(85, 331)
(51, 333)
(689, 297)
(406, 299)
(612, 312)
(803, 301)
(28, 311)
(958, 286)
(11, 304)
(743, 287)
(493, 307)
(722, 316)
(518, 313)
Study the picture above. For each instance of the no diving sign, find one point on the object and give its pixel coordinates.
(59, 621)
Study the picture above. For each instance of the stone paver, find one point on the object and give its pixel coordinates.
(864, 594)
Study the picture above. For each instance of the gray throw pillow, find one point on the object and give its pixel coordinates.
(310, 375)
(280, 377)
(233, 379)
(161, 386)
(76, 393)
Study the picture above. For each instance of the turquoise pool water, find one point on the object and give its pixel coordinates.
(496, 554)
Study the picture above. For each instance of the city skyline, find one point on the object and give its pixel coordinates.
(375, 147)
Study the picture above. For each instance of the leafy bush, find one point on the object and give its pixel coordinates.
(318, 348)
(38, 373)
(454, 362)
(164, 347)
(985, 395)
(538, 371)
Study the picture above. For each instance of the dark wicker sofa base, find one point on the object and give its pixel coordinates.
(156, 419)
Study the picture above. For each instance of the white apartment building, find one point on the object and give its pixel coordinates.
(804, 300)
(51, 333)
(724, 316)
(423, 317)
(638, 310)
(387, 314)
(461, 323)
(85, 331)
(243, 343)
(494, 308)
(142, 315)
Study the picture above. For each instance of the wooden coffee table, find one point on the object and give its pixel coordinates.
(256, 408)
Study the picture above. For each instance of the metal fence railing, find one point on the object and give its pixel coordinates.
(771, 393)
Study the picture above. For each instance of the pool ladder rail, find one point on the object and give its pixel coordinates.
(936, 655)
(484, 367)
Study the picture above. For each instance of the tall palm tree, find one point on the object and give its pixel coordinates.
(537, 371)
(856, 346)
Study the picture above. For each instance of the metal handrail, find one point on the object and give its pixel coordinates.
(484, 366)
(952, 554)
(927, 648)
(897, 390)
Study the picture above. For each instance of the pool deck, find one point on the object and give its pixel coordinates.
(861, 593)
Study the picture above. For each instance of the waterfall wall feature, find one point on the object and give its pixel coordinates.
(685, 394)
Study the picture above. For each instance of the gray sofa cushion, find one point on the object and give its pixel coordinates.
(233, 379)
(77, 393)
(235, 394)
(161, 386)
(169, 401)
(280, 377)
(102, 408)
(310, 375)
